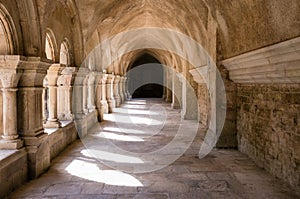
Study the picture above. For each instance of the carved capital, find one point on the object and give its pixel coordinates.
(34, 70)
(9, 70)
(53, 73)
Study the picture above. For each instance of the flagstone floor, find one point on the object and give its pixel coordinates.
(145, 151)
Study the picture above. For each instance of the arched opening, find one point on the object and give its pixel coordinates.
(64, 54)
(146, 77)
(8, 41)
(49, 48)
(4, 43)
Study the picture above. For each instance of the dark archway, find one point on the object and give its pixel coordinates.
(146, 77)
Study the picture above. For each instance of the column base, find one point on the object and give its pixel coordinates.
(91, 109)
(65, 117)
(52, 124)
(11, 144)
(104, 106)
(111, 105)
(118, 101)
(128, 96)
(175, 106)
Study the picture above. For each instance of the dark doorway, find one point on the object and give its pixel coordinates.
(146, 77)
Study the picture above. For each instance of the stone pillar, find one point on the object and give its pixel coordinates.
(104, 103)
(98, 95)
(65, 89)
(169, 78)
(121, 87)
(116, 91)
(200, 75)
(85, 94)
(45, 107)
(52, 75)
(91, 92)
(176, 92)
(189, 104)
(109, 92)
(9, 78)
(126, 91)
(30, 119)
(78, 106)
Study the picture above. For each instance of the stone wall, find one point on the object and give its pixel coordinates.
(61, 138)
(13, 170)
(203, 103)
(228, 137)
(268, 125)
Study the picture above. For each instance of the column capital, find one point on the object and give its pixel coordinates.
(117, 79)
(91, 78)
(67, 76)
(104, 78)
(110, 78)
(34, 70)
(10, 71)
(81, 75)
(53, 73)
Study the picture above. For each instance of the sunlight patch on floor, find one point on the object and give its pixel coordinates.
(90, 171)
(113, 157)
(114, 136)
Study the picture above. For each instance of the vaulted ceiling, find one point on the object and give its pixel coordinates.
(243, 25)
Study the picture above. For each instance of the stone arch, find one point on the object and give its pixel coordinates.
(50, 45)
(8, 37)
(152, 70)
(65, 53)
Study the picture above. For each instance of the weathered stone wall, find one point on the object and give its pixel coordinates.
(203, 103)
(228, 137)
(268, 125)
(13, 170)
(61, 138)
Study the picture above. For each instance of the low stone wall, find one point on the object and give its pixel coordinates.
(268, 125)
(61, 138)
(13, 170)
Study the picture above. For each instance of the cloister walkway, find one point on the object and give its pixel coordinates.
(111, 162)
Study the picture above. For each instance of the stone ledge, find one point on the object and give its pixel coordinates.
(279, 63)
(60, 138)
(13, 165)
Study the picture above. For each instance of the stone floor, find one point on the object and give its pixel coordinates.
(138, 138)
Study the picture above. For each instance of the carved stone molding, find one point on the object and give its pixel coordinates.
(279, 63)
(200, 74)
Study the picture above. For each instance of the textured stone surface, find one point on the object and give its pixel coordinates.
(13, 170)
(268, 128)
(222, 174)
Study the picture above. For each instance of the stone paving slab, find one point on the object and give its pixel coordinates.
(222, 174)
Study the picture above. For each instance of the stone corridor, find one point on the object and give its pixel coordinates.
(76, 173)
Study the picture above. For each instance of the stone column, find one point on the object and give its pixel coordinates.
(169, 78)
(104, 104)
(126, 91)
(65, 89)
(52, 75)
(9, 78)
(200, 75)
(98, 93)
(121, 87)
(30, 119)
(109, 92)
(189, 104)
(116, 91)
(78, 105)
(85, 94)
(91, 92)
(176, 92)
